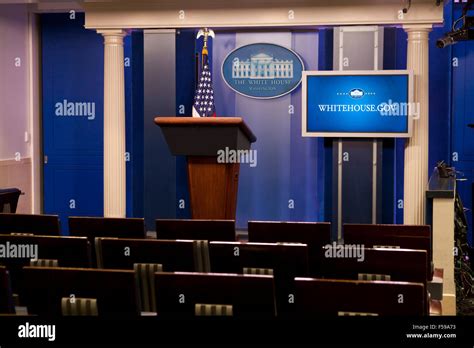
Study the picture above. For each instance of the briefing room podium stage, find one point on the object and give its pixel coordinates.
(212, 185)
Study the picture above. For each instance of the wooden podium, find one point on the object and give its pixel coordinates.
(212, 185)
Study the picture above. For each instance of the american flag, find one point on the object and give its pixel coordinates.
(204, 97)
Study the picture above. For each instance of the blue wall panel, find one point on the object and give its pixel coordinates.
(135, 130)
(73, 71)
(133, 54)
(72, 60)
(185, 87)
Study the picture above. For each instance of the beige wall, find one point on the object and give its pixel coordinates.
(17, 174)
(15, 152)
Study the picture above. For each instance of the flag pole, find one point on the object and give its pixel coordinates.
(204, 103)
(206, 32)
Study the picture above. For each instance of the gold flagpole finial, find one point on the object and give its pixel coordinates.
(206, 32)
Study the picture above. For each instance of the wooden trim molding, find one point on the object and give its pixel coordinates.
(12, 161)
(146, 14)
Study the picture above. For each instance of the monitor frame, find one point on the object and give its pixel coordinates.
(304, 113)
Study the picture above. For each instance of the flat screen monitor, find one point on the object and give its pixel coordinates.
(358, 104)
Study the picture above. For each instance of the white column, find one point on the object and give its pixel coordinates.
(114, 124)
(416, 148)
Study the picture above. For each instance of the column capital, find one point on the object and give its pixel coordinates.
(112, 32)
(113, 36)
(410, 28)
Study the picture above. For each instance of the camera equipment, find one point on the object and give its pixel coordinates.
(463, 33)
(453, 37)
(407, 7)
(444, 171)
